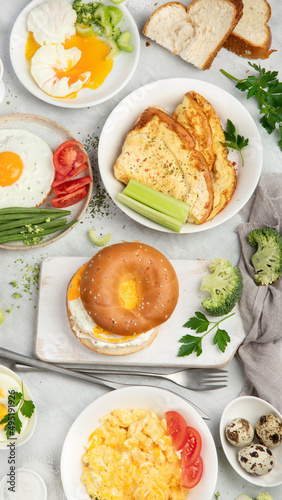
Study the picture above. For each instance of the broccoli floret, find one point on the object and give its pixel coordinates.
(263, 496)
(225, 285)
(267, 260)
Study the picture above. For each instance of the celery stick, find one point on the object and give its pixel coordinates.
(155, 199)
(150, 213)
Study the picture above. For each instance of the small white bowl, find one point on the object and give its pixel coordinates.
(250, 408)
(24, 478)
(124, 67)
(26, 434)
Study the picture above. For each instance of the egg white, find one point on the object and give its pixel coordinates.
(34, 184)
(8, 384)
(84, 326)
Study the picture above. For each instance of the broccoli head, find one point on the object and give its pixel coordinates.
(225, 285)
(267, 260)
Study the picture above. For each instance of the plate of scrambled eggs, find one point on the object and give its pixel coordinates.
(119, 448)
(61, 66)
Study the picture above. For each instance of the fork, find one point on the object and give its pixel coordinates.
(198, 379)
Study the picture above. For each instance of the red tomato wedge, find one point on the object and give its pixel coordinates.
(190, 476)
(68, 155)
(176, 427)
(59, 178)
(65, 200)
(192, 447)
(72, 185)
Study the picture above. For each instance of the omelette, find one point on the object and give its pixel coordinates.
(131, 456)
(223, 174)
(160, 153)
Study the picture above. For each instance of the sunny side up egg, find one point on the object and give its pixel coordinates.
(56, 70)
(26, 169)
(7, 385)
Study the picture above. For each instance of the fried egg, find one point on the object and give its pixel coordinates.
(64, 62)
(8, 385)
(132, 456)
(26, 169)
(86, 329)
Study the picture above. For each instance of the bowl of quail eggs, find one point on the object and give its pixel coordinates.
(251, 437)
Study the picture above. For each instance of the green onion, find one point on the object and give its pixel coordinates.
(150, 213)
(155, 199)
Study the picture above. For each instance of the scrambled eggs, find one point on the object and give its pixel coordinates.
(131, 457)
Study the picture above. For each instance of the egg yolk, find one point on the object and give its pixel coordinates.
(93, 53)
(2, 394)
(3, 413)
(128, 293)
(11, 167)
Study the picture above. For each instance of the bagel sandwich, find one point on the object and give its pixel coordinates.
(117, 301)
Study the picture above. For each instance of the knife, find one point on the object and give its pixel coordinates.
(21, 359)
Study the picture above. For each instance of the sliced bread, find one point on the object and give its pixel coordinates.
(251, 37)
(197, 33)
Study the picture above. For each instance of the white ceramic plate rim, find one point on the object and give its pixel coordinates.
(45, 128)
(154, 399)
(29, 430)
(124, 65)
(251, 408)
(168, 94)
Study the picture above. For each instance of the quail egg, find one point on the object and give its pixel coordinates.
(239, 432)
(256, 459)
(269, 430)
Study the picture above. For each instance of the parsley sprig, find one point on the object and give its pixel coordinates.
(201, 324)
(24, 407)
(267, 89)
(233, 140)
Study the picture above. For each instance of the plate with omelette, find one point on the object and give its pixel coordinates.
(27, 146)
(168, 135)
(62, 63)
(120, 447)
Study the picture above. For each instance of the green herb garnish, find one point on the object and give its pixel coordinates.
(201, 324)
(267, 89)
(234, 141)
(24, 407)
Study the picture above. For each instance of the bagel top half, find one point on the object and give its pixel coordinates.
(135, 266)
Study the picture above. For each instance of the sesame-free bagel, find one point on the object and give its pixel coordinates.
(156, 284)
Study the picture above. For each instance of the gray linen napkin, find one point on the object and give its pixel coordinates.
(261, 306)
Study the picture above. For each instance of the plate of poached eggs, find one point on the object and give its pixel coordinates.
(64, 68)
(27, 144)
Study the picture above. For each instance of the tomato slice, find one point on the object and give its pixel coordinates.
(72, 185)
(176, 427)
(68, 155)
(65, 200)
(190, 476)
(59, 178)
(192, 447)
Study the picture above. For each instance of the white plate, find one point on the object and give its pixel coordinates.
(56, 343)
(153, 399)
(123, 68)
(54, 134)
(168, 94)
(29, 430)
(251, 409)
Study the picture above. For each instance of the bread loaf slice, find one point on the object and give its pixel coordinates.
(160, 153)
(197, 33)
(251, 37)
